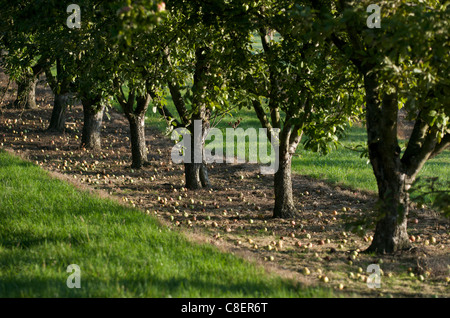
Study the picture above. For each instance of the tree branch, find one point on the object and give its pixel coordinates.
(165, 112)
(440, 147)
(421, 145)
(179, 103)
(340, 44)
(142, 104)
(261, 114)
(295, 138)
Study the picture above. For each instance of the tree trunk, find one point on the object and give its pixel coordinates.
(58, 119)
(196, 172)
(26, 91)
(384, 153)
(138, 145)
(26, 94)
(390, 232)
(284, 202)
(192, 175)
(204, 176)
(196, 176)
(60, 85)
(93, 118)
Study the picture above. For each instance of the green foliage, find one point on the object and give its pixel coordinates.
(409, 53)
(300, 75)
(432, 191)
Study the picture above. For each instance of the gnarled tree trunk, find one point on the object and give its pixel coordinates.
(26, 93)
(93, 118)
(138, 145)
(196, 176)
(390, 232)
(60, 85)
(284, 202)
(384, 152)
(136, 119)
(58, 119)
(196, 172)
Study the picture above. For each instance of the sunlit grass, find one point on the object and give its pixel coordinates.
(47, 224)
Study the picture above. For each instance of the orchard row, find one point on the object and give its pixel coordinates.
(308, 69)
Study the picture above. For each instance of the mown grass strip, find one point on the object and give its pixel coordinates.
(47, 224)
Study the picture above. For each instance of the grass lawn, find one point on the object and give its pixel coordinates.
(47, 224)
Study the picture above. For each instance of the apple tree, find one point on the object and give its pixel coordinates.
(298, 85)
(405, 64)
(199, 57)
(135, 51)
(23, 61)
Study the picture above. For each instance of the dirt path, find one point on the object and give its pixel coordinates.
(235, 215)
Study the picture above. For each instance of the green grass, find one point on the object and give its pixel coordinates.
(47, 224)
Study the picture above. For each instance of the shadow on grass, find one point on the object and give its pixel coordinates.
(141, 286)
